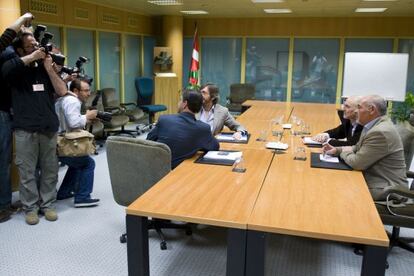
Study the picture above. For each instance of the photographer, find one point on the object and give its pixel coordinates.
(33, 82)
(5, 119)
(80, 174)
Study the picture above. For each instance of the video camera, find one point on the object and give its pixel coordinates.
(77, 69)
(45, 43)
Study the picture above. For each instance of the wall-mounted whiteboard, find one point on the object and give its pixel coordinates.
(384, 74)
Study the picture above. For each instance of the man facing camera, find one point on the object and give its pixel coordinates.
(349, 128)
(215, 115)
(379, 153)
(182, 133)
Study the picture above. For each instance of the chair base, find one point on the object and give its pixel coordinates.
(157, 225)
(132, 133)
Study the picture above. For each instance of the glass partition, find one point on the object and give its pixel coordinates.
(109, 60)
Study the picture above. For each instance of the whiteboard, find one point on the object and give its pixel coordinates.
(383, 74)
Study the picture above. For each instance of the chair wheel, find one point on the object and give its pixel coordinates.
(188, 232)
(123, 239)
(163, 245)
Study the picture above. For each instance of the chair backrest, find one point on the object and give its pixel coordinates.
(135, 165)
(406, 132)
(109, 97)
(145, 89)
(240, 92)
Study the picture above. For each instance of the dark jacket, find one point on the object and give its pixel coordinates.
(184, 135)
(344, 131)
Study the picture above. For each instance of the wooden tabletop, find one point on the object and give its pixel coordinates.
(207, 194)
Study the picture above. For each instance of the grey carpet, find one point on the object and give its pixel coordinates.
(86, 242)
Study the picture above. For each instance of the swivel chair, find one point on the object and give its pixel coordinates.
(112, 104)
(135, 165)
(239, 93)
(145, 90)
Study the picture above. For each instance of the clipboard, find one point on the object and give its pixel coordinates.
(317, 163)
(202, 160)
(230, 134)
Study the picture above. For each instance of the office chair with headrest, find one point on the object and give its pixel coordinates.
(145, 91)
(135, 165)
(111, 104)
(239, 93)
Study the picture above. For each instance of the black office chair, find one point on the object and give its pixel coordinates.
(136, 165)
(239, 93)
(145, 91)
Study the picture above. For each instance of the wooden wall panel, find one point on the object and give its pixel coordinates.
(81, 14)
(50, 11)
(326, 26)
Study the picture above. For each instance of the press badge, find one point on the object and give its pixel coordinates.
(38, 87)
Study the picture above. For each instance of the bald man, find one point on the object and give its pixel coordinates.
(379, 153)
(349, 129)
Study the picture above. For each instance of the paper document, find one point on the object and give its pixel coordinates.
(223, 155)
(277, 145)
(229, 137)
(287, 126)
(308, 140)
(328, 158)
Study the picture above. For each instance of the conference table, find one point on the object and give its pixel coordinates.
(276, 194)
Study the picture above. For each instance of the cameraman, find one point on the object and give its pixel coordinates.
(33, 82)
(5, 120)
(80, 174)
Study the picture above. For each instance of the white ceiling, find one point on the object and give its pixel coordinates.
(245, 8)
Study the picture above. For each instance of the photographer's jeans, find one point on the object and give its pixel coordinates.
(78, 177)
(5, 160)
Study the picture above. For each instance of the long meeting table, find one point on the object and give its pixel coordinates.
(275, 195)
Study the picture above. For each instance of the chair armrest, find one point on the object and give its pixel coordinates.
(126, 104)
(401, 192)
(410, 174)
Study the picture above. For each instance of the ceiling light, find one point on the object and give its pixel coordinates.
(370, 9)
(379, 0)
(268, 1)
(194, 12)
(166, 2)
(277, 10)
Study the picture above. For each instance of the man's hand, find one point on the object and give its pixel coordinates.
(36, 55)
(24, 20)
(321, 137)
(91, 114)
(328, 149)
(237, 135)
(48, 63)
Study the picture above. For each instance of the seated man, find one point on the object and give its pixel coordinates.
(215, 115)
(349, 129)
(78, 181)
(379, 153)
(182, 132)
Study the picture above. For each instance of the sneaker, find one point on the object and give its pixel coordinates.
(5, 215)
(32, 218)
(89, 202)
(50, 214)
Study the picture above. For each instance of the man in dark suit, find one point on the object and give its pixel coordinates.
(183, 134)
(349, 128)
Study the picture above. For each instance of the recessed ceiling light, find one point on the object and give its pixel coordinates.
(166, 2)
(370, 9)
(277, 10)
(268, 1)
(194, 12)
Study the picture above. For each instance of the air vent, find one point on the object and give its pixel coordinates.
(110, 19)
(81, 14)
(132, 21)
(44, 6)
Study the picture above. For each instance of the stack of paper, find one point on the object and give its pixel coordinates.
(229, 137)
(223, 155)
(277, 145)
(309, 141)
(328, 158)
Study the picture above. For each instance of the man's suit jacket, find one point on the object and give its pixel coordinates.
(222, 117)
(184, 135)
(379, 155)
(344, 131)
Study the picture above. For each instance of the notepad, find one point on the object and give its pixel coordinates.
(277, 145)
(328, 158)
(309, 141)
(227, 137)
(287, 126)
(223, 155)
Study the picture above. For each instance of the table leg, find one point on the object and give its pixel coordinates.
(255, 255)
(373, 262)
(236, 252)
(137, 245)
